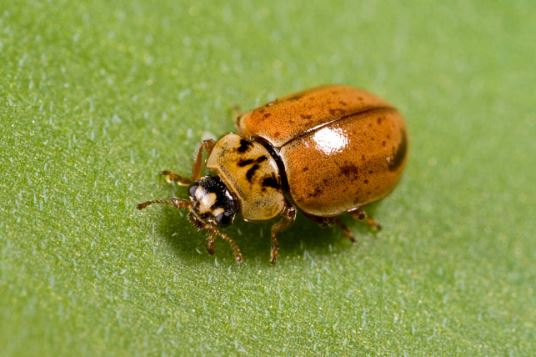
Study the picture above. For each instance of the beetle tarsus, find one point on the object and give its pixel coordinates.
(345, 230)
(361, 215)
(175, 202)
(234, 247)
(210, 244)
(172, 177)
(274, 251)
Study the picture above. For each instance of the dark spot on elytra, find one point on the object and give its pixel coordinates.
(305, 168)
(400, 153)
(306, 116)
(271, 181)
(266, 115)
(277, 134)
(251, 172)
(244, 146)
(365, 182)
(318, 191)
(384, 143)
(336, 111)
(349, 170)
(379, 120)
(343, 103)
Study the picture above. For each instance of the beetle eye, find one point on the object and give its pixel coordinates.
(192, 189)
(222, 219)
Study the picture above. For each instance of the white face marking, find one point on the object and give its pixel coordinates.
(217, 211)
(206, 200)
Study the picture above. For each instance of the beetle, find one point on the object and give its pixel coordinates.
(325, 151)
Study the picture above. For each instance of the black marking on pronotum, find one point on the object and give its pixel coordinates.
(246, 162)
(260, 159)
(271, 181)
(251, 172)
(244, 146)
(400, 153)
(274, 153)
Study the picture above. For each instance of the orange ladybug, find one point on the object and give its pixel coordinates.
(326, 151)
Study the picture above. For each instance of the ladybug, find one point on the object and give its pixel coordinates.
(325, 151)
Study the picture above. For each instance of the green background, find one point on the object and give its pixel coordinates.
(97, 97)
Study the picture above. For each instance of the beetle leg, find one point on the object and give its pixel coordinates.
(175, 202)
(236, 113)
(328, 221)
(170, 176)
(289, 216)
(363, 216)
(178, 179)
(211, 239)
(215, 232)
(206, 145)
(345, 230)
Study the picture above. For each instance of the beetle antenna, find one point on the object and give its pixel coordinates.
(175, 202)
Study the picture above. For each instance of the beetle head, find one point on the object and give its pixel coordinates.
(212, 201)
